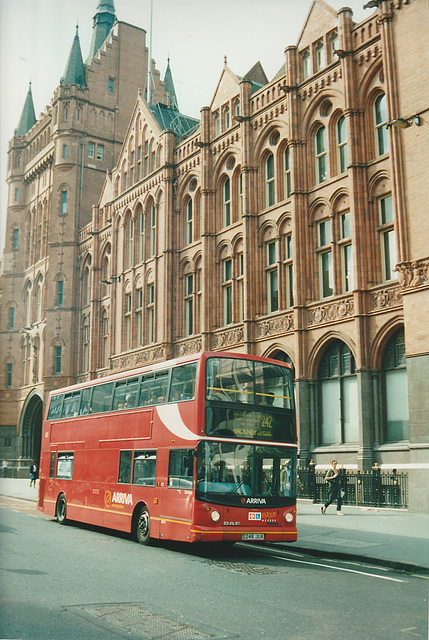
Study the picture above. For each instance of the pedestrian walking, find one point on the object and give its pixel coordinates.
(333, 478)
(33, 474)
(4, 466)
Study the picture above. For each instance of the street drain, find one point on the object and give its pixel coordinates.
(242, 567)
(135, 619)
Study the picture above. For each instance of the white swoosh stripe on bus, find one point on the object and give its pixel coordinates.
(169, 415)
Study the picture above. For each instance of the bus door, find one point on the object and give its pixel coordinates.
(177, 509)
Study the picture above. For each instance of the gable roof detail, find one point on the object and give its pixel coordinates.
(74, 72)
(104, 20)
(320, 18)
(28, 115)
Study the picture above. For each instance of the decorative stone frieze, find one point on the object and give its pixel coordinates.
(331, 312)
(274, 326)
(228, 338)
(385, 298)
(139, 359)
(188, 347)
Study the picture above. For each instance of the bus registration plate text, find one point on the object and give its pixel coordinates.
(252, 536)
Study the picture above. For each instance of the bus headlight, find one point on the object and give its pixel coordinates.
(215, 516)
(289, 517)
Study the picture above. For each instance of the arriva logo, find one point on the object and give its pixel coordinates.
(118, 498)
(256, 501)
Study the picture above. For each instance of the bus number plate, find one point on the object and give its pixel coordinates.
(253, 536)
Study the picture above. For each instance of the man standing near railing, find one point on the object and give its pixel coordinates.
(332, 477)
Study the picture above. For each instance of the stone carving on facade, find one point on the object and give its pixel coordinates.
(330, 312)
(413, 274)
(228, 338)
(274, 326)
(385, 298)
(139, 359)
(189, 347)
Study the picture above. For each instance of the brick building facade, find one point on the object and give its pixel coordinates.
(288, 222)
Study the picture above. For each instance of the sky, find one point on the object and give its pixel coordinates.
(36, 38)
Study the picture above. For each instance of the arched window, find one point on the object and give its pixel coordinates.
(270, 183)
(395, 387)
(338, 395)
(189, 304)
(189, 222)
(152, 230)
(64, 201)
(86, 285)
(380, 120)
(226, 202)
(287, 173)
(105, 340)
(334, 43)
(39, 300)
(227, 291)
(306, 63)
(226, 118)
(321, 155)
(272, 276)
(216, 123)
(387, 235)
(128, 242)
(342, 145)
(320, 56)
(85, 344)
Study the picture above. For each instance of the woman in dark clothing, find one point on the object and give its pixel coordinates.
(333, 479)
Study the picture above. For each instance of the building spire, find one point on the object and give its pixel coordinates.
(104, 20)
(28, 116)
(74, 72)
(169, 87)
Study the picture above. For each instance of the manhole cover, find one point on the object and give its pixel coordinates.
(138, 620)
(242, 567)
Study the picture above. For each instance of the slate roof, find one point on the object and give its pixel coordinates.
(28, 116)
(168, 118)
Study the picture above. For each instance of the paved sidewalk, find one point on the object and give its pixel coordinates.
(387, 537)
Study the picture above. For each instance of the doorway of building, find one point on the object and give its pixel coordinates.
(31, 427)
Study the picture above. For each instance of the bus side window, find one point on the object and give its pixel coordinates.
(101, 398)
(65, 465)
(183, 383)
(71, 404)
(180, 469)
(144, 468)
(85, 401)
(52, 465)
(124, 475)
(125, 394)
(145, 391)
(55, 407)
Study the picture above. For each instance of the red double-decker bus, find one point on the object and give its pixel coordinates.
(201, 448)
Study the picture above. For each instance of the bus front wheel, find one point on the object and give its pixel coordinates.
(61, 510)
(142, 527)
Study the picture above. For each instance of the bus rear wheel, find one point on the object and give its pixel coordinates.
(61, 510)
(142, 526)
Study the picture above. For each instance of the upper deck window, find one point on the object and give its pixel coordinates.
(248, 382)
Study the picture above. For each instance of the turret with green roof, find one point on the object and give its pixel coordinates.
(104, 20)
(28, 115)
(75, 69)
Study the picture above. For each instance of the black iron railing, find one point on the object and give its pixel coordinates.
(373, 488)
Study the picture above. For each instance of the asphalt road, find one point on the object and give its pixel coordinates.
(72, 582)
